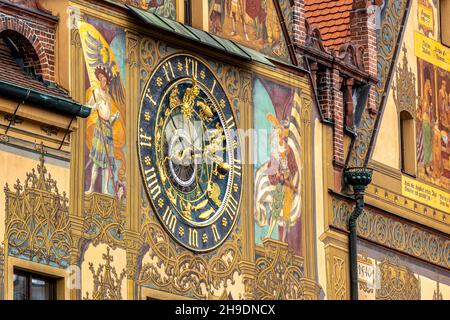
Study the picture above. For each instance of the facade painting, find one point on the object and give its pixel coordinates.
(163, 8)
(253, 23)
(104, 50)
(433, 111)
(433, 125)
(426, 17)
(278, 180)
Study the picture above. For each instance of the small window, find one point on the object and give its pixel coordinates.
(187, 12)
(30, 286)
(407, 141)
(445, 28)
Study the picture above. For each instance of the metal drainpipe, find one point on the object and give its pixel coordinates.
(359, 178)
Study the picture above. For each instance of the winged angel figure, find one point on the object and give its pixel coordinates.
(105, 134)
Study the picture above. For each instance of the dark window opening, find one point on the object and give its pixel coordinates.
(23, 53)
(407, 144)
(30, 286)
(187, 12)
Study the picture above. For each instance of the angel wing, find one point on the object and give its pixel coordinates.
(94, 49)
(116, 89)
(99, 55)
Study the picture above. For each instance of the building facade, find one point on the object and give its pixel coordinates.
(198, 149)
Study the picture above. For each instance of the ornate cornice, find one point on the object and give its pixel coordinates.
(414, 208)
(397, 234)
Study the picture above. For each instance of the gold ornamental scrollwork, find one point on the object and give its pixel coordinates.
(338, 272)
(107, 282)
(37, 219)
(404, 89)
(396, 234)
(151, 51)
(280, 275)
(397, 282)
(104, 220)
(179, 271)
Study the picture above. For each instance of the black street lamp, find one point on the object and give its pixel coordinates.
(358, 178)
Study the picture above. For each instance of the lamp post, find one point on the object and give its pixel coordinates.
(359, 178)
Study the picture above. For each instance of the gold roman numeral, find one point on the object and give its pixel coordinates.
(152, 182)
(191, 67)
(231, 207)
(168, 68)
(213, 86)
(170, 220)
(193, 238)
(148, 95)
(230, 123)
(215, 233)
(146, 141)
(237, 167)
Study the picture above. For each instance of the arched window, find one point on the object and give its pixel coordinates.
(407, 144)
(23, 52)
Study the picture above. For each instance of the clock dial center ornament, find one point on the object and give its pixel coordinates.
(189, 153)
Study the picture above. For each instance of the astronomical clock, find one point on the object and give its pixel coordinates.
(189, 152)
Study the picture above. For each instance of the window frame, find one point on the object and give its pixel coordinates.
(403, 143)
(29, 275)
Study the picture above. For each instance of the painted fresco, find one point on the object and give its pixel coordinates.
(163, 8)
(103, 47)
(433, 111)
(278, 165)
(433, 124)
(253, 23)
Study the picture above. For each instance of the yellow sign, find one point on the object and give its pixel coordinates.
(432, 51)
(425, 16)
(426, 194)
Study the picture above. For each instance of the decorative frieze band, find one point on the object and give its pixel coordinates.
(395, 233)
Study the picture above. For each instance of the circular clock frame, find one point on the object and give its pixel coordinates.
(183, 86)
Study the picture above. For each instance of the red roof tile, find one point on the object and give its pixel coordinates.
(332, 18)
(13, 74)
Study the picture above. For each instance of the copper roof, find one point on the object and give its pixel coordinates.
(332, 18)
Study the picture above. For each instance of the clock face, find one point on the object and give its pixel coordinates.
(189, 153)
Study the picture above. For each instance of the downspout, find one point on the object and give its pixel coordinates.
(359, 178)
